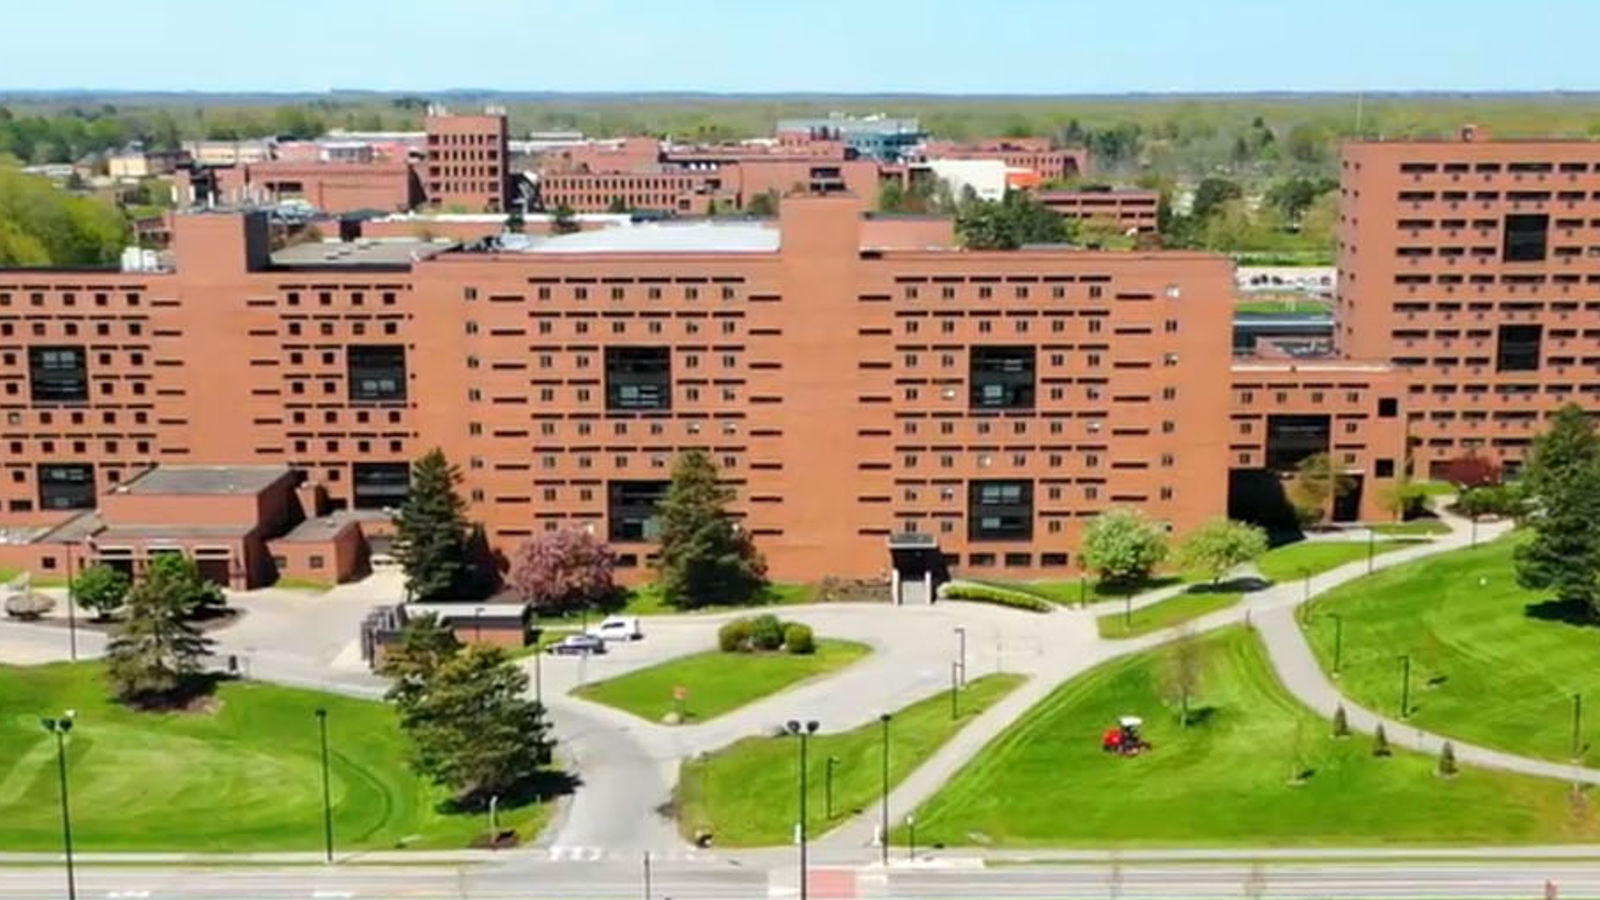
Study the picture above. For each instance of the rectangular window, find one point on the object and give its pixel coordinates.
(638, 378)
(1291, 438)
(1525, 237)
(66, 486)
(631, 509)
(376, 372)
(1001, 377)
(380, 485)
(1518, 349)
(58, 374)
(999, 510)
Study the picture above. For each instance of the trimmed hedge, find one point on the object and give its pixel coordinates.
(798, 639)
(989, 593)
(765, 634)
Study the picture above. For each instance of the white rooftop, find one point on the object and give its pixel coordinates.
(658, 237)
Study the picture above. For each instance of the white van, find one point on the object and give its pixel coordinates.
(618, 628)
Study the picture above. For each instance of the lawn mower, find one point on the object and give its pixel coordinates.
(1123, 738)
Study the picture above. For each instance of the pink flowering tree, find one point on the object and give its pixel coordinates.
(563, 570)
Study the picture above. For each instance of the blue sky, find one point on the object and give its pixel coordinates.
(860, 46)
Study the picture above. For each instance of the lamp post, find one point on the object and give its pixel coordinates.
(477, 625)
(883, 801)
(1338, 642)
(828, 789)
(911, 837)
(538, 676)
(1405, 685)
(802, 730)
(72, 609)
(1577, 726)
(1371, 537)
(953, 711)
(327, 796)
(961, 652)
(647, 875)
(59, 728)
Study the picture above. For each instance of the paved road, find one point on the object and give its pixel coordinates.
(923, 881)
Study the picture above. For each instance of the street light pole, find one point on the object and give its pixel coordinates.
(1577, 725)
(828, 789)
(538, 677)
(911, 837)
(802, 731)
(647, 875)
(883, 825)
(60, 727)
(1405, 685)
(327, 796)
(953, 712)
(961, 637)
(1338, 642)
(1370, 547)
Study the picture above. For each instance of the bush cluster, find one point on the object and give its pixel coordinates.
(992, 593)
(765, 633)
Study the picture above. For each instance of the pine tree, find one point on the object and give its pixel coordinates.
(1380, 743)
(1563, 478)
(423, 647)
(705, 557)
(1341, 723)
(473, 729)
(155, 656)
(432, 535)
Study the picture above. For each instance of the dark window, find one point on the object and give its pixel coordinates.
(1001, 377)
(376, 371)
(1383, 468)
(999, 510)
(380, 485)
(1525, 235)
(58, 374)
(66, 486)
(1388, 407)
(1518, 349)
(638, 378)
(1293, 438)
(631, 509)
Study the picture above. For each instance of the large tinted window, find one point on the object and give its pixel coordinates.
(1001, 377)
(638, 378)
(1525, 237)
(1518, 348)
(58, 374)
(631, 509)
(380, 485)
(376, 371)
(999, 510)
(66, 486)
(1293, 438)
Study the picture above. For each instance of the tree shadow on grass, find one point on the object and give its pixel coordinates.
(543, 787)
(1199, 716)
(192, 694)
(1244, 584)
(1570, 612)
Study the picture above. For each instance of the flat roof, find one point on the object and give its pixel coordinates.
(657, 237)
(367, 251)
(321, 528)
(166, 479)
(114, 533)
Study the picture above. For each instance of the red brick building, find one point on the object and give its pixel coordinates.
(1135, 211)
(466, 163)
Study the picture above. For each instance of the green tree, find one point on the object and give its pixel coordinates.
(1293, 196)
(616, 206)
(423, 646)
(1211, 193)
(1008, 223)
(1563, 484)
(1123, 546)
(473, 729)
(704, 557)
(1220, 544)
(101, 589)
(891, 196)
(564, 221)
(155, 656)
(40, 224)
(1316, 483)
(515, 222)
(432, 535)
(196, 595)
(763, 204)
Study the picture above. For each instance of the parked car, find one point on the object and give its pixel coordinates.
(618, 628)
(577, 644)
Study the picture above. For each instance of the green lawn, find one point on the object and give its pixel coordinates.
(745, 793)
(303, 584)
(646, 600)
(717, 682)
(1191, 604)
(1225, 780)
(1297, 307)
(1291, 561)
(1412, 528)
(244, 776)
(1483, 669)
(1070, 592)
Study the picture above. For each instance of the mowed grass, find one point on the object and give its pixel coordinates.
(717, 682)
(243, 776)
(1482, 668)
(1176, 610)
(1411, 528)
(746, 793)
(1225, 780)
(646, 599)
(1292, 561)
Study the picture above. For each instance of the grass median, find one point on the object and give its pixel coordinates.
(1292, 561)
(242, 775)
(1254, 768)
(714, 682)
(745, 793)
(1491, 663)
(1191, 604)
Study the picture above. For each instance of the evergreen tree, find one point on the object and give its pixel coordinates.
(1341, 722)
(1563, 479)
(565, 222)
(156, 654)
(423, 647)
(473, 729)
(432, 535)
(1380, 743)
(705, 557)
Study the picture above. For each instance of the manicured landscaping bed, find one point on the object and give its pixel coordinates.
(745, 793)
(244, 775)
(1190, 604)
(717, 682)
(1489, 663)
(1227, 778)
(1292, 561)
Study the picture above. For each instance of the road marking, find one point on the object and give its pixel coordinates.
(332, 895)
(127, 895)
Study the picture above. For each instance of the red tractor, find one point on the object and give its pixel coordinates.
(1123, 738)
